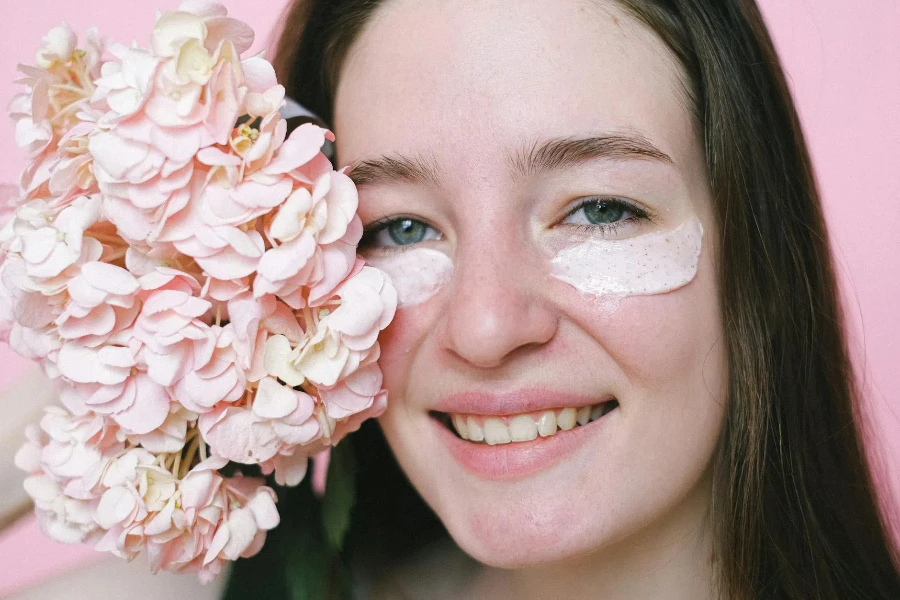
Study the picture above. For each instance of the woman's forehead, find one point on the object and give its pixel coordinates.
(475, 80)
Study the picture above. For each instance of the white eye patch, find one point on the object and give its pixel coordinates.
(654, 263)
(417, 273)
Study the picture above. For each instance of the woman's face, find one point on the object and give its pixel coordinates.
(503, 157)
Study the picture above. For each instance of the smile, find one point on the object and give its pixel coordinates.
(514, 435)
(524, 427)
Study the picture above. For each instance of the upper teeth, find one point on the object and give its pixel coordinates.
(524, 427)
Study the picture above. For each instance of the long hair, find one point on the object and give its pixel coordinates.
(795, 509)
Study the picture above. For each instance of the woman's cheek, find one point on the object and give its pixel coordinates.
(649, 301)
(656, 342)
(418, 274)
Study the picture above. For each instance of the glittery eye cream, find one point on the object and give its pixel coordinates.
(417, 273)
(653, 263)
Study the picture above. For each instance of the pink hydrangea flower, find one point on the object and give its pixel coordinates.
(353, 394)
(180, 533)
(21, 305)
(60, 516)
(278, 418)
(174, 338)
(186, 272)
(317, 233)
(58, 93)
(141, 187)
(58, 455)
(103, 302)
(353, 422)
(71, 174)
(368, 304)
(324, 214)
(108, 365)
(61, 83)
(126, 83)
(138, 404)
(129, 488)
(243, 530)
(41, 343)
(254, 182)
(246, 314)
(210, 519)
(220, 379)
(224, 252)
(49, 248)
(56, 47)
(29, 110)
(342, 340)
(289, 466)
(167, 104)
(170, 436)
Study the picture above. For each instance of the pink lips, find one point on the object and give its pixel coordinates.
(517, 460)
(512, 403)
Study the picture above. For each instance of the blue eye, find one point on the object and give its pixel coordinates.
(603, 211)
(402, 231)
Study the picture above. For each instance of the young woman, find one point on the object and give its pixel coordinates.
(619, 369)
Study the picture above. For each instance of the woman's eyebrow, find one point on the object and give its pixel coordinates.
(385, 169)
(559, 153)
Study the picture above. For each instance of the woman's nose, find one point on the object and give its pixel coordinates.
(497, 303)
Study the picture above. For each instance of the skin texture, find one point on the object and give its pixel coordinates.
(463, 85)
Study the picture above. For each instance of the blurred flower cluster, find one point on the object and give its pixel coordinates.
(186, 272)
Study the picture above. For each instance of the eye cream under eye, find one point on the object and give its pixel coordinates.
(654, 263)
(417, 273)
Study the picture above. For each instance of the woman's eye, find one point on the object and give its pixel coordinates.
(399, 232)
(602, 211)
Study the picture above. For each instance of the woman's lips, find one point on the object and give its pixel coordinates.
(511, 403)
(518, 460)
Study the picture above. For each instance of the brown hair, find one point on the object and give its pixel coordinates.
(794, 506)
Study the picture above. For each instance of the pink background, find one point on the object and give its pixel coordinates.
(843, 61)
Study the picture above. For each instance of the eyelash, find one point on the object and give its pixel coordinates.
(371, 231)
(637, 214)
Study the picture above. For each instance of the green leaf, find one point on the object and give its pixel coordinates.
(305, 557)
(306, 566)
(340, 492)
(259, 577)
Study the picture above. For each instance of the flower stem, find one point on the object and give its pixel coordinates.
(70, 88)
(176, 465)
(189, 456)
(106, 238)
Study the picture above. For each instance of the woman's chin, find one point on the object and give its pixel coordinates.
(525, 527)
(511, 542)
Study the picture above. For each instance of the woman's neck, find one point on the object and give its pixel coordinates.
(671, 559)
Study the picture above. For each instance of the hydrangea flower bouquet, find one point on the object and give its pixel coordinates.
(186, 273)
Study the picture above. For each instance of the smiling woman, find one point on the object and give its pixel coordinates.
(617, 369)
